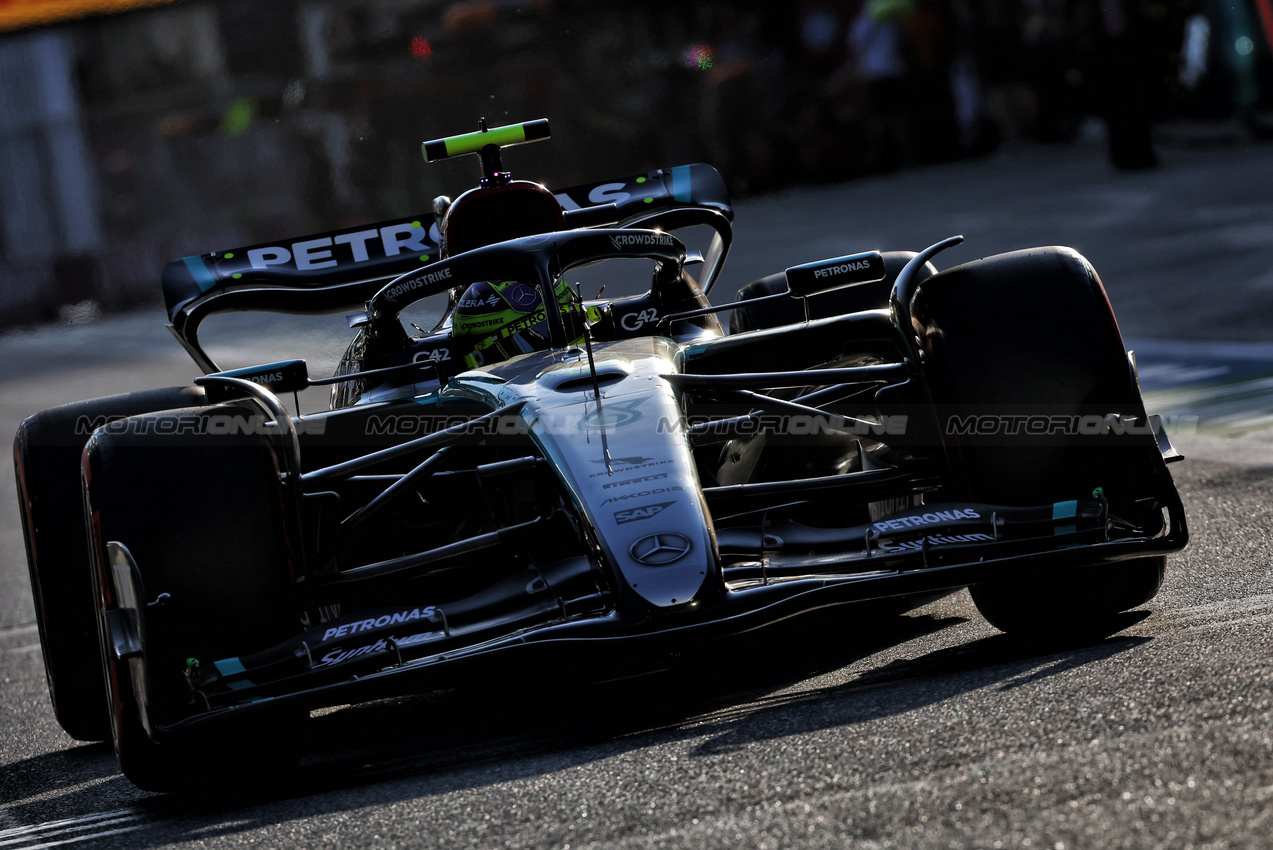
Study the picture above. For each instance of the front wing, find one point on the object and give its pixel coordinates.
(400, 651)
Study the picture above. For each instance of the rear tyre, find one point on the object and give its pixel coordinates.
(202, 517)
(46, 459)
(1031, 334)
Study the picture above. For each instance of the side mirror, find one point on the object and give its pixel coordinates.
(837, 273)
(283, 377)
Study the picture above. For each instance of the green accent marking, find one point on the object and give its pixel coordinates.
(474, 142)
(1098, 492)
(229, 255)
(649, 200)
(416, 224)
(192, 662)
(236, 275)
(236, 120)
(199, 271)
(640, 179)
(424, 258)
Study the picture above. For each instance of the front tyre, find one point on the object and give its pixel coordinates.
(1084, 601)
(1030, 334)
(203, 518)
(46, 460)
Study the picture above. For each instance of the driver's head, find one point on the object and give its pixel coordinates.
(493, 214)
(503, 319)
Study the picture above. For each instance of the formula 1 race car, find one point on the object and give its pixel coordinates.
(545, 475)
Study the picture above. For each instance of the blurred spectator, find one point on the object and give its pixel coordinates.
(1051, 68)
(877, 39)
(740, 97)
(193, 126)
(1137, 43)
(1226, 62)
(978, 134)
(932, 129)
(816, 130)
(1001, 57)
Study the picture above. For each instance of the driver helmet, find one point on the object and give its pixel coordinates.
(504, 318)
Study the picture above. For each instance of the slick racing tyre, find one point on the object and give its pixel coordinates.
(202, 517)
(46, 460)
(1031, 334)
(772, 314)
(1081, 601)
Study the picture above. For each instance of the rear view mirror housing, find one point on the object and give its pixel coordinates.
(285, 376)
(836, 273)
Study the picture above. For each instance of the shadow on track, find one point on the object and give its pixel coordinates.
(726, 692)
(909, 684)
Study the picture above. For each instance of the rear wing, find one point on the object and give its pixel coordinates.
(342, 269)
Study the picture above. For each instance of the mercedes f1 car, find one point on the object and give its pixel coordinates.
(544, 473)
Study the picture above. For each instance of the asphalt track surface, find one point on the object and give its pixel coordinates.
(842, 729)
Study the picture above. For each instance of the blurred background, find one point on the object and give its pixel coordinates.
(136, 132)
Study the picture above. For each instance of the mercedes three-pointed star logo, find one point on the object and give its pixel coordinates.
(522, 296)
(656, 550)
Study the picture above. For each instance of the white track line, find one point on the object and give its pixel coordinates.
(59, 832)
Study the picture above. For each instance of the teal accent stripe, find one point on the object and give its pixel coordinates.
(230, 667)
(1064, 510)
(691, 351)
(429, 398)
(241, 684)
(681, 184)
(200, 273)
